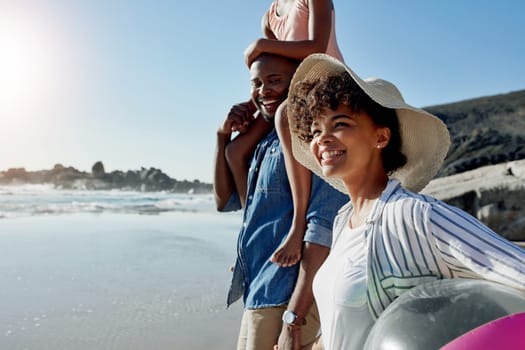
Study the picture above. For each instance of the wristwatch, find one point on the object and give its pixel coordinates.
(291, 318)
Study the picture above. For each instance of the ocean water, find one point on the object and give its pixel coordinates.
(32, 200)
(114, 270)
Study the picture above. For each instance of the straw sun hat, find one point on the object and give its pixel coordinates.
(424, 138)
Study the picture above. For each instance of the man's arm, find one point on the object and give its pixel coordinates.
(239, 153)
(239, 118)
(223, 184)
(302, 298)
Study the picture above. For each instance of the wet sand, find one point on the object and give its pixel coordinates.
(117, 281)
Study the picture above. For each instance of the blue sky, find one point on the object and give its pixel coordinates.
(146, 83)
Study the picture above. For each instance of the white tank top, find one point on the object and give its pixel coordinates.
(340, 292)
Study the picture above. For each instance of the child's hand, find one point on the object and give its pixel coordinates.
(252, 51)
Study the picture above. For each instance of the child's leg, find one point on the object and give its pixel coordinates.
(289, 253)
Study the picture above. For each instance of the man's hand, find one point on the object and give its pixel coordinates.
(239, 118)
(302, 297)
(290, 338)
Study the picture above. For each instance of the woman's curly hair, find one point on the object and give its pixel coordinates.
(311, 98)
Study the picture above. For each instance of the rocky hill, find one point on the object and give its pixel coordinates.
(70, 178)
(484, 172)
(493, 193)
(484, 131)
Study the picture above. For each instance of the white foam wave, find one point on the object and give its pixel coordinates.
(31, 200)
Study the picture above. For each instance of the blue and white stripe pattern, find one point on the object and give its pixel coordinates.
(413, 239)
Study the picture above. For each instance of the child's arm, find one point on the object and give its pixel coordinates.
(300, 178)
(319, 26)
(239, 152)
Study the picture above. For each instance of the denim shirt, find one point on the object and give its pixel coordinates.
(266, 221)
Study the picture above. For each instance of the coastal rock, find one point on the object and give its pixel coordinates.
(97, 171)
(16, 175)
(493, 194)
(63, 176)
(145, 180)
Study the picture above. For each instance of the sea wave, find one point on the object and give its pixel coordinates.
(32, 200)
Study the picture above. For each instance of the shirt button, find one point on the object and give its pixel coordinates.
(244, 225)
(250, 197)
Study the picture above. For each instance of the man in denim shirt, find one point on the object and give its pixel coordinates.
(267, 289)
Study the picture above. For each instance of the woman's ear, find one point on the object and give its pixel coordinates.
(383, 137)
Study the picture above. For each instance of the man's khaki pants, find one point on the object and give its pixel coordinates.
(260, 328)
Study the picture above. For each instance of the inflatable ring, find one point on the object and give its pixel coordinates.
(433, 314)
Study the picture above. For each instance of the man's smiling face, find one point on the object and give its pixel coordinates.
(270, 77)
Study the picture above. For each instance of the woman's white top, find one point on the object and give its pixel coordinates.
(340, 292)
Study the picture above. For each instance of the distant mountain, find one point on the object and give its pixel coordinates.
(143, 180)
(484, 131)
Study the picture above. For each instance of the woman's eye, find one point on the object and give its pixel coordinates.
(315, 132)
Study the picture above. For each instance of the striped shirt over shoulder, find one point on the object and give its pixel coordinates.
(413, 239)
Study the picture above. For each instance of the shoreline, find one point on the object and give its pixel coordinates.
(118, 282)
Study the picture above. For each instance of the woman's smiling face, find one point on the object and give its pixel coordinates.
(346, 143)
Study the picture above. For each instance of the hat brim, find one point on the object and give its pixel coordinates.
(424, 137)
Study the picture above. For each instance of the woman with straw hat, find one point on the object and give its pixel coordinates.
(363, 138)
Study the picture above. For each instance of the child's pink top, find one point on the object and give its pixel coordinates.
(294, 26)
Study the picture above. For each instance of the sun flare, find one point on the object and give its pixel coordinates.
(32, 84)
(28, 61)
(19, 66)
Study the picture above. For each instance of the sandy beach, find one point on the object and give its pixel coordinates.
(117, 281)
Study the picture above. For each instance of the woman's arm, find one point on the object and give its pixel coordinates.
(471, 249)
(316, 345)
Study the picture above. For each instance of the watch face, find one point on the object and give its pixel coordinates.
(289, 317)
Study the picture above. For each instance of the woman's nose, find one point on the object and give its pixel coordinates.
(324, 137)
